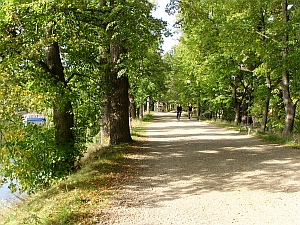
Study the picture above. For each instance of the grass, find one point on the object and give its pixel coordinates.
(224, 124)
(82, 197)
(275, 138)
(290, 141)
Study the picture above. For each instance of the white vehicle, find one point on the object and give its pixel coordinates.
(36, 118)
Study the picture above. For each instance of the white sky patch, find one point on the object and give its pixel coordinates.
(160, 13)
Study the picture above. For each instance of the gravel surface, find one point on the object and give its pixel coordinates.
(191, 172)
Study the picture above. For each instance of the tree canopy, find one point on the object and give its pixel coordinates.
(241, 58)
(70, 60)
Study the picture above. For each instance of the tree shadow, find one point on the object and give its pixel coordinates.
(196, 158)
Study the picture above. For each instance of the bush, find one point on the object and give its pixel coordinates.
(31, 157)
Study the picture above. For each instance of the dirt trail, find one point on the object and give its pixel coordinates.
(191, 172)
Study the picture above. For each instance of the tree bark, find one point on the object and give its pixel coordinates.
(141, 111)
(265, 114)
(148, 105)
(236, 104)
(119, 111)
(105, 118)
(289, 106)
(262, 28)
(115, 121)
(119, 119)
(63, 117)
(132, 107)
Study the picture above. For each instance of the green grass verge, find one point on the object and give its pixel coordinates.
(83, 196)
(274, 138)
(224, 124)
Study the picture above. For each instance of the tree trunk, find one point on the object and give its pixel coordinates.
(119, 120)
(132, 107)
(63, 117)
(105, 115)
(237, 117)
(104, 126)
(262, 28)
(115, 126)
(148, 105)
(265, 114)
(289, 106)
(141, 111)
(266, 105)
(116, 114)
(198, 109)
(119, 111)
(237, 106)
(288, 103)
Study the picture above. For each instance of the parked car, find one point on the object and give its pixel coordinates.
(36, 118)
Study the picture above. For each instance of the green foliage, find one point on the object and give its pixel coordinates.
(148, 118)
(84, 31)
(229, 48)
(30, 156)
(82, 194)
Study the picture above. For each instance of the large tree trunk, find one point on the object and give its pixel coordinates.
(289, 106)
(115, 121)
(119, 120)
(63, 117)
(119, 112)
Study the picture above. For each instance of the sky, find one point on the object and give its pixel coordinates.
(161, 14)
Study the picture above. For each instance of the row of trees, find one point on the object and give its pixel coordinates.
(77, 62)
(242, 58)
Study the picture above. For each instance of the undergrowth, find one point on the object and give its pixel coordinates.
(271, 137)
(82, 197)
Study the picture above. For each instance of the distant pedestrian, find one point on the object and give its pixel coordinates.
(190, 111)
(179, 110)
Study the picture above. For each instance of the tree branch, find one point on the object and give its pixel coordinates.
(265, 36)
(43, 64)
(80, 75)
(245, 68)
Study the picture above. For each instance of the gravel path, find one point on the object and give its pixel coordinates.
(191, 172)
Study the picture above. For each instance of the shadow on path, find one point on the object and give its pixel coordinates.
(190, 157)
(190, 172)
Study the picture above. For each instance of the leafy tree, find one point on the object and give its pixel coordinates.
(131, 32)
(244, 41)
(73, 57)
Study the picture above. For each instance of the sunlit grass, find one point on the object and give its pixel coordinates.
(291, 141)
(138, 125)
(76, 198)
(83, 196)
(275, 138)
(224, 124)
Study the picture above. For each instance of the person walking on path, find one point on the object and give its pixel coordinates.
(179, 111)
(190, 111)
